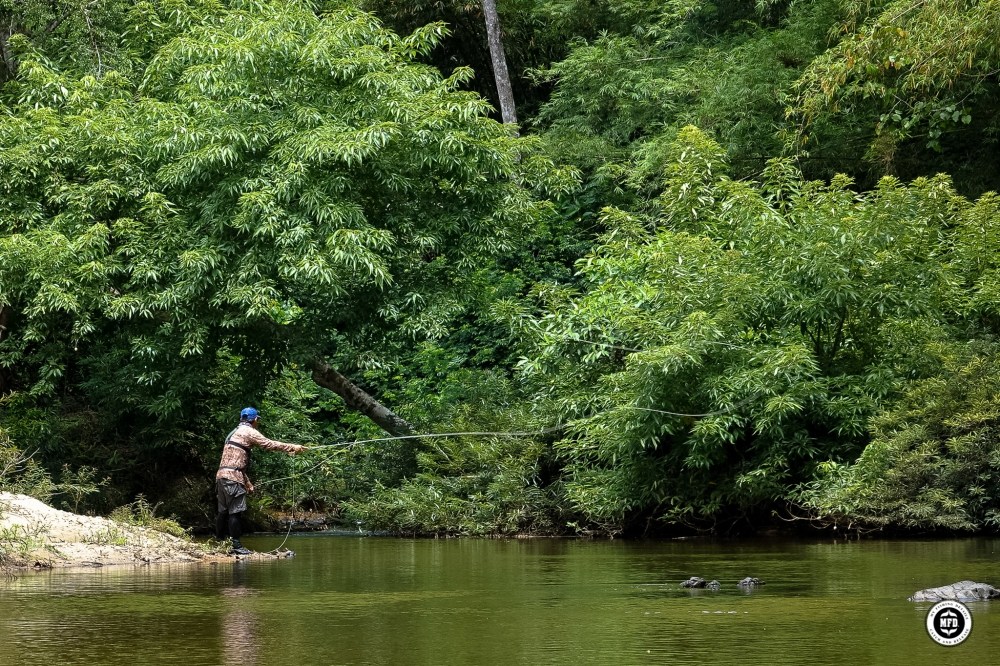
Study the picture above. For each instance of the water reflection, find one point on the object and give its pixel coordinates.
(239, 621)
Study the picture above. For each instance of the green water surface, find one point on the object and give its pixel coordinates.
(365, 600)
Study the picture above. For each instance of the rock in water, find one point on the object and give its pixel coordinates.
(694, 581)
(749, 582)
(965, 590)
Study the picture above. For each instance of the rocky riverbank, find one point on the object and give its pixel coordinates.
(36, 535)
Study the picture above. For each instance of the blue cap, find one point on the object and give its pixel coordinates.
(248, 414)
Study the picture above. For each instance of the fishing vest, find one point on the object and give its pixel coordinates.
(246, 449)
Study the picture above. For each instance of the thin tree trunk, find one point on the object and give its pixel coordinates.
(4, 318)
(359, 400)
(504, 91)
(8, 65)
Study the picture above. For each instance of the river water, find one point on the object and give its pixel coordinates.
(368, 600)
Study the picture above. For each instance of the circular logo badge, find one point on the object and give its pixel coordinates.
(949, 622)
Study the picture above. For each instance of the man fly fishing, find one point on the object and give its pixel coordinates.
(231, 481)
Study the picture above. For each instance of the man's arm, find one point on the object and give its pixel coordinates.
(255, 438)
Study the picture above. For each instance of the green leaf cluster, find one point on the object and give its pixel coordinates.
(932, 464)
(727, 342)
(653, 68)
(495, 479)
(911, 81)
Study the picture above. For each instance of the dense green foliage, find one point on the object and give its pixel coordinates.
(723, 345)
(934, 458)
(719, 274)
(76, 34)
(911, 82)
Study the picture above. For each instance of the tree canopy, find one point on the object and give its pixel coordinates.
(276, 182)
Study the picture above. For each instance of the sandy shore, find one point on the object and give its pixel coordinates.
(36, 535)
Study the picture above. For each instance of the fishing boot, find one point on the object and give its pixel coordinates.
(235, 532)
(239, 549)
(221, 525)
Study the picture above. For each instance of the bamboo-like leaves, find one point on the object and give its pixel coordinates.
(274, 176)
(740, 333)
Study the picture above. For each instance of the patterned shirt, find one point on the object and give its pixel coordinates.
(236, 453)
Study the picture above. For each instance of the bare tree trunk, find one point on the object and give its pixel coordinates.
(359, 400)
(8, 65)
(4, 318)
(504, 92)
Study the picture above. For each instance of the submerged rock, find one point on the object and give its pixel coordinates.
(749, 582)
(700, 583)
(965, 590)
(694, 582)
